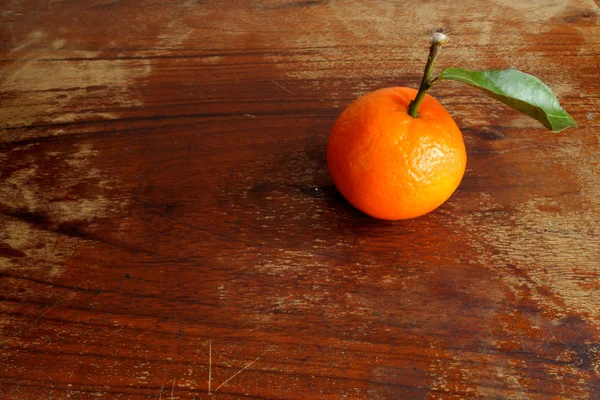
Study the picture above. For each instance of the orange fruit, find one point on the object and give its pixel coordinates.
(393, 166)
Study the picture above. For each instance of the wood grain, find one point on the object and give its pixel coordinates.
(168, 228)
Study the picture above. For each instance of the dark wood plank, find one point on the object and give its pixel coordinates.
(168, 228)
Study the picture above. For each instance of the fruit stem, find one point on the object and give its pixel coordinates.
(437, 40)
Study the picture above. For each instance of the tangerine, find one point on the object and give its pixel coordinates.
(391, 165)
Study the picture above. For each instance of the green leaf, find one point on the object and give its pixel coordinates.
(519, 90)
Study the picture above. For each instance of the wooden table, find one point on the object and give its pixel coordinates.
(169, 230)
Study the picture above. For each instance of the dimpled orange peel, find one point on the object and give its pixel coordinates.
(396, 153)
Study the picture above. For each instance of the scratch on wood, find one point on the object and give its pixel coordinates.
(162, 388)
(30, 326)
(286, 89)
(209, 364)
(239, 372)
